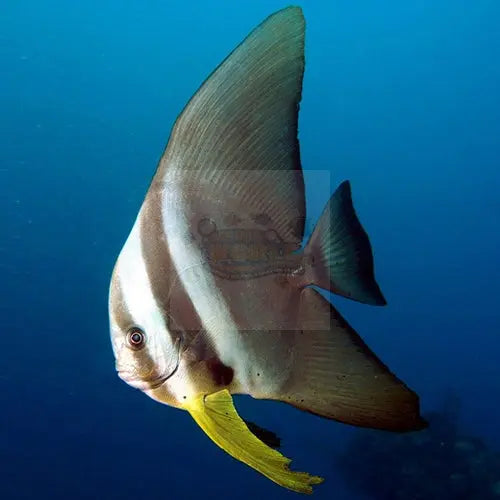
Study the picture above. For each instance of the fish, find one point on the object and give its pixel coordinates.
(215, 292)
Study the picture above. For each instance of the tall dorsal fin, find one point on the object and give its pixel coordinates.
(234, 148)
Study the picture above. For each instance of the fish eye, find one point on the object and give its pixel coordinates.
(136, 338)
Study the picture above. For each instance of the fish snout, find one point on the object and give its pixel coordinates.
(134, 379)
(127, 376)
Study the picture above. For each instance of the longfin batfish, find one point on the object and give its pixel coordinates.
(211, 294)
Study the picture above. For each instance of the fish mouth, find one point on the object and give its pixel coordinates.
(145, 383)
(153, 380)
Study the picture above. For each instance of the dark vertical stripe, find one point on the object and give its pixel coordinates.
(118, 308)
(180, 316)
(124, 320)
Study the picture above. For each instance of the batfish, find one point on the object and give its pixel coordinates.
(214, 291)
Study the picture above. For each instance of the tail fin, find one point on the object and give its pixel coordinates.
(339, 255)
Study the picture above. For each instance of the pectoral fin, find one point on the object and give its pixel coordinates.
(217, 416)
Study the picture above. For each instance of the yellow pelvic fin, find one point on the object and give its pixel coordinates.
(217, 416)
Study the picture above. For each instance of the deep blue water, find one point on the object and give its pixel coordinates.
(402, 98)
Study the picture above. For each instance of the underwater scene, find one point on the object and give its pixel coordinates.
(250, 249)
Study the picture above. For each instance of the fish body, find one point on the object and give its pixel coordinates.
(211, 294)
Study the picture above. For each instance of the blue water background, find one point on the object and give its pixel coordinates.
(402, 98)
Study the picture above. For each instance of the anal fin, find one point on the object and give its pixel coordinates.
(217, 416)
(336, 375)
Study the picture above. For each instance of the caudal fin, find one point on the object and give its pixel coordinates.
(339, 254)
